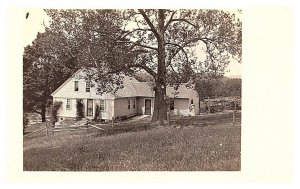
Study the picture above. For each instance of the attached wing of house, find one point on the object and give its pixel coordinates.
(135, 98)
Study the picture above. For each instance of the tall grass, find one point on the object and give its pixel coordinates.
(207, 147)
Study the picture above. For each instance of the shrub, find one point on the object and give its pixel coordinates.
(97, 111)
(79, 109)
(56, 105)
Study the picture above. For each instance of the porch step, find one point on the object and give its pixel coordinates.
(82, 122)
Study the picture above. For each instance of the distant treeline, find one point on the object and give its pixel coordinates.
(209, 87)
(216, 88)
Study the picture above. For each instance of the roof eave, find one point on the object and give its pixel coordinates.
(64, 83)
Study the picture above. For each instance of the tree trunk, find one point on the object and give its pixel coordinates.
(43, 113)
(160, 105)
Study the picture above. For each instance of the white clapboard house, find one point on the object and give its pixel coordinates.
(135, 98)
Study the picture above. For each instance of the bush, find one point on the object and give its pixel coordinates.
(97, 111)
(79, 111)
(56, 105)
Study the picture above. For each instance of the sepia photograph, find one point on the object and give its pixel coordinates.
(132, 90)
(151, 94)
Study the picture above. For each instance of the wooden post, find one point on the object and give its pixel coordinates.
(233, 117)
(223, 106)
(51, 127)
(168, 117)
(208, 105)
(50, 137)
(47, 130)
(113, 123)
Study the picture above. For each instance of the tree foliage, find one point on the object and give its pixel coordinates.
(204, 88)
(91, 38)
(181, 30)
(55, 107)
(228, 88)
(218, 87)
(45, 68)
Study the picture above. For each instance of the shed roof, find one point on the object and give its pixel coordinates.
(181, 92)
(143, 89)
(128, 89)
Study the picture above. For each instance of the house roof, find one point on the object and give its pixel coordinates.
(64, 83)
(128, 90)
(134, 88)
(143, 89)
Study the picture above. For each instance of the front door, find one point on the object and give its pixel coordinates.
(147, 107)
(89, 110)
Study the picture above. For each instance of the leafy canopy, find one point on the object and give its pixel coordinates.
(126, 41)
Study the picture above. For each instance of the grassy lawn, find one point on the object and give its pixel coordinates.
(202, 143)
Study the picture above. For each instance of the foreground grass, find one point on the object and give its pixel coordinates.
(190, 147)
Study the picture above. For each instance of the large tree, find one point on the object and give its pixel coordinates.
(45, 68)
(169, 36)
(160, 42)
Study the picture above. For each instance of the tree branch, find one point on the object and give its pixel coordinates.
(144, 67)
(138, 44)
(172, 68)
(130, 32)
(147, 69)
(181, 49)
(180, 20)
(148, 47)
(170, 20)
(130, 15)
(36, 111)
(149, 23)
(203, 39)
(196, 39)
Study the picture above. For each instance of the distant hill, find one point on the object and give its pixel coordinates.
(145, 77)
(234, 76)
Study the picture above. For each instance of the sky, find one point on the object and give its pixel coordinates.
(37, 17)
(33, 24)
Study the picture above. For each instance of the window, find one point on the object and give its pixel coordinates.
(192, 101)
(172, 104)
(76, 86)
(87, 86)
(102, 105)
(134, 103)
(128, 102)
(68, 106)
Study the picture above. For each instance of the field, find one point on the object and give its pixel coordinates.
(201, 143)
